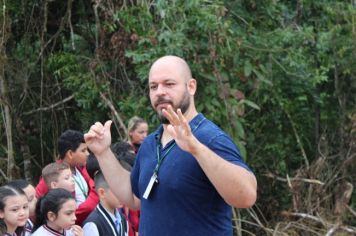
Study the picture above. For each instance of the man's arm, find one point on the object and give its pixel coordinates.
(98, 140)
(234, 183)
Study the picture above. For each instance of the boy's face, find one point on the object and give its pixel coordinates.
(65, 180)
(111, 200)
(32, 200)
(80, 156)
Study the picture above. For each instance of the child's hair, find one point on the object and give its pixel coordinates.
(6, 192)
(69, 140)
(51, 172)
(52, 201)
(92, 165)
(100, 181)
(124, 153)
(18, 183)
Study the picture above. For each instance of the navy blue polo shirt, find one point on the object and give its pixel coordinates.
(184, 202)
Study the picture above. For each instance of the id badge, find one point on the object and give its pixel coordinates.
(153, 180)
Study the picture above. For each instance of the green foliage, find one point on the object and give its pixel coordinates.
(278, 76)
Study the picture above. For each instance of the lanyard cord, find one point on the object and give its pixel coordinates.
(159, 158)
(80, 184)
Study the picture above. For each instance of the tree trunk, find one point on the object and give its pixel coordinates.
(4, 99)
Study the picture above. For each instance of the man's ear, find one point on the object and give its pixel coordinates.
(51, 216)
(2, 214)
(192, 86)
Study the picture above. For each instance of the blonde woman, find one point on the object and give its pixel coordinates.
(137, 132)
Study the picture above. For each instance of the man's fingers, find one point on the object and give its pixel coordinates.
(171, 131)
(174, 115)
(107, 126)
(97, 130)
(167, 115)
(183, 121)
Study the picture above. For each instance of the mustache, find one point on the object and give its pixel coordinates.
(162, 100)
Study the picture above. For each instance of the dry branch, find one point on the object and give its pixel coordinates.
(304, 216)
(338, 227)
(51, 106)
(114, 111)
(310, 181)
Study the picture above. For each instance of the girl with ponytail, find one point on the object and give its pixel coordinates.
(55, 215)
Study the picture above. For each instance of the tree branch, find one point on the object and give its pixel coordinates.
(114, 111)
(310, 181)
(51, 106)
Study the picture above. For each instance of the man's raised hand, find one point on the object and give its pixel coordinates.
(98, 138)
(180, 130)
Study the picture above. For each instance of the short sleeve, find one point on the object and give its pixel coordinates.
(223, 146)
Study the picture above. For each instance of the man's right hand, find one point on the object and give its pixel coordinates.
(98, 137)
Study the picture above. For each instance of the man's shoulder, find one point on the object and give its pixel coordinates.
(203, 125)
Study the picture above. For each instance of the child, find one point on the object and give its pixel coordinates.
(31, 196)
(73, 150)
(13, 210)
(123, 152)
(59, 175)
(105, 219)
(55, 215)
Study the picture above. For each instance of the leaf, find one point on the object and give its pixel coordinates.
(261, 77)
(250, 104)
(240, 129)
(247, 69)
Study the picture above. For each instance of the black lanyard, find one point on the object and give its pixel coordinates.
(159, 158)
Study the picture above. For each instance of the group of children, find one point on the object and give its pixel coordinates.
(74, 198)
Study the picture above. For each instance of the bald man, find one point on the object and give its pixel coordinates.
(188, 173)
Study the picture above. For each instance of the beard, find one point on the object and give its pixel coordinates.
(183, 105)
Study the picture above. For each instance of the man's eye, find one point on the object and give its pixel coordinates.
(152, 87)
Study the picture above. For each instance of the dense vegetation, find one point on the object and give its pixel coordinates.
(278, 76)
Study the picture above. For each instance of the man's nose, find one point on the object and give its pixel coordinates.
(161, 89)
